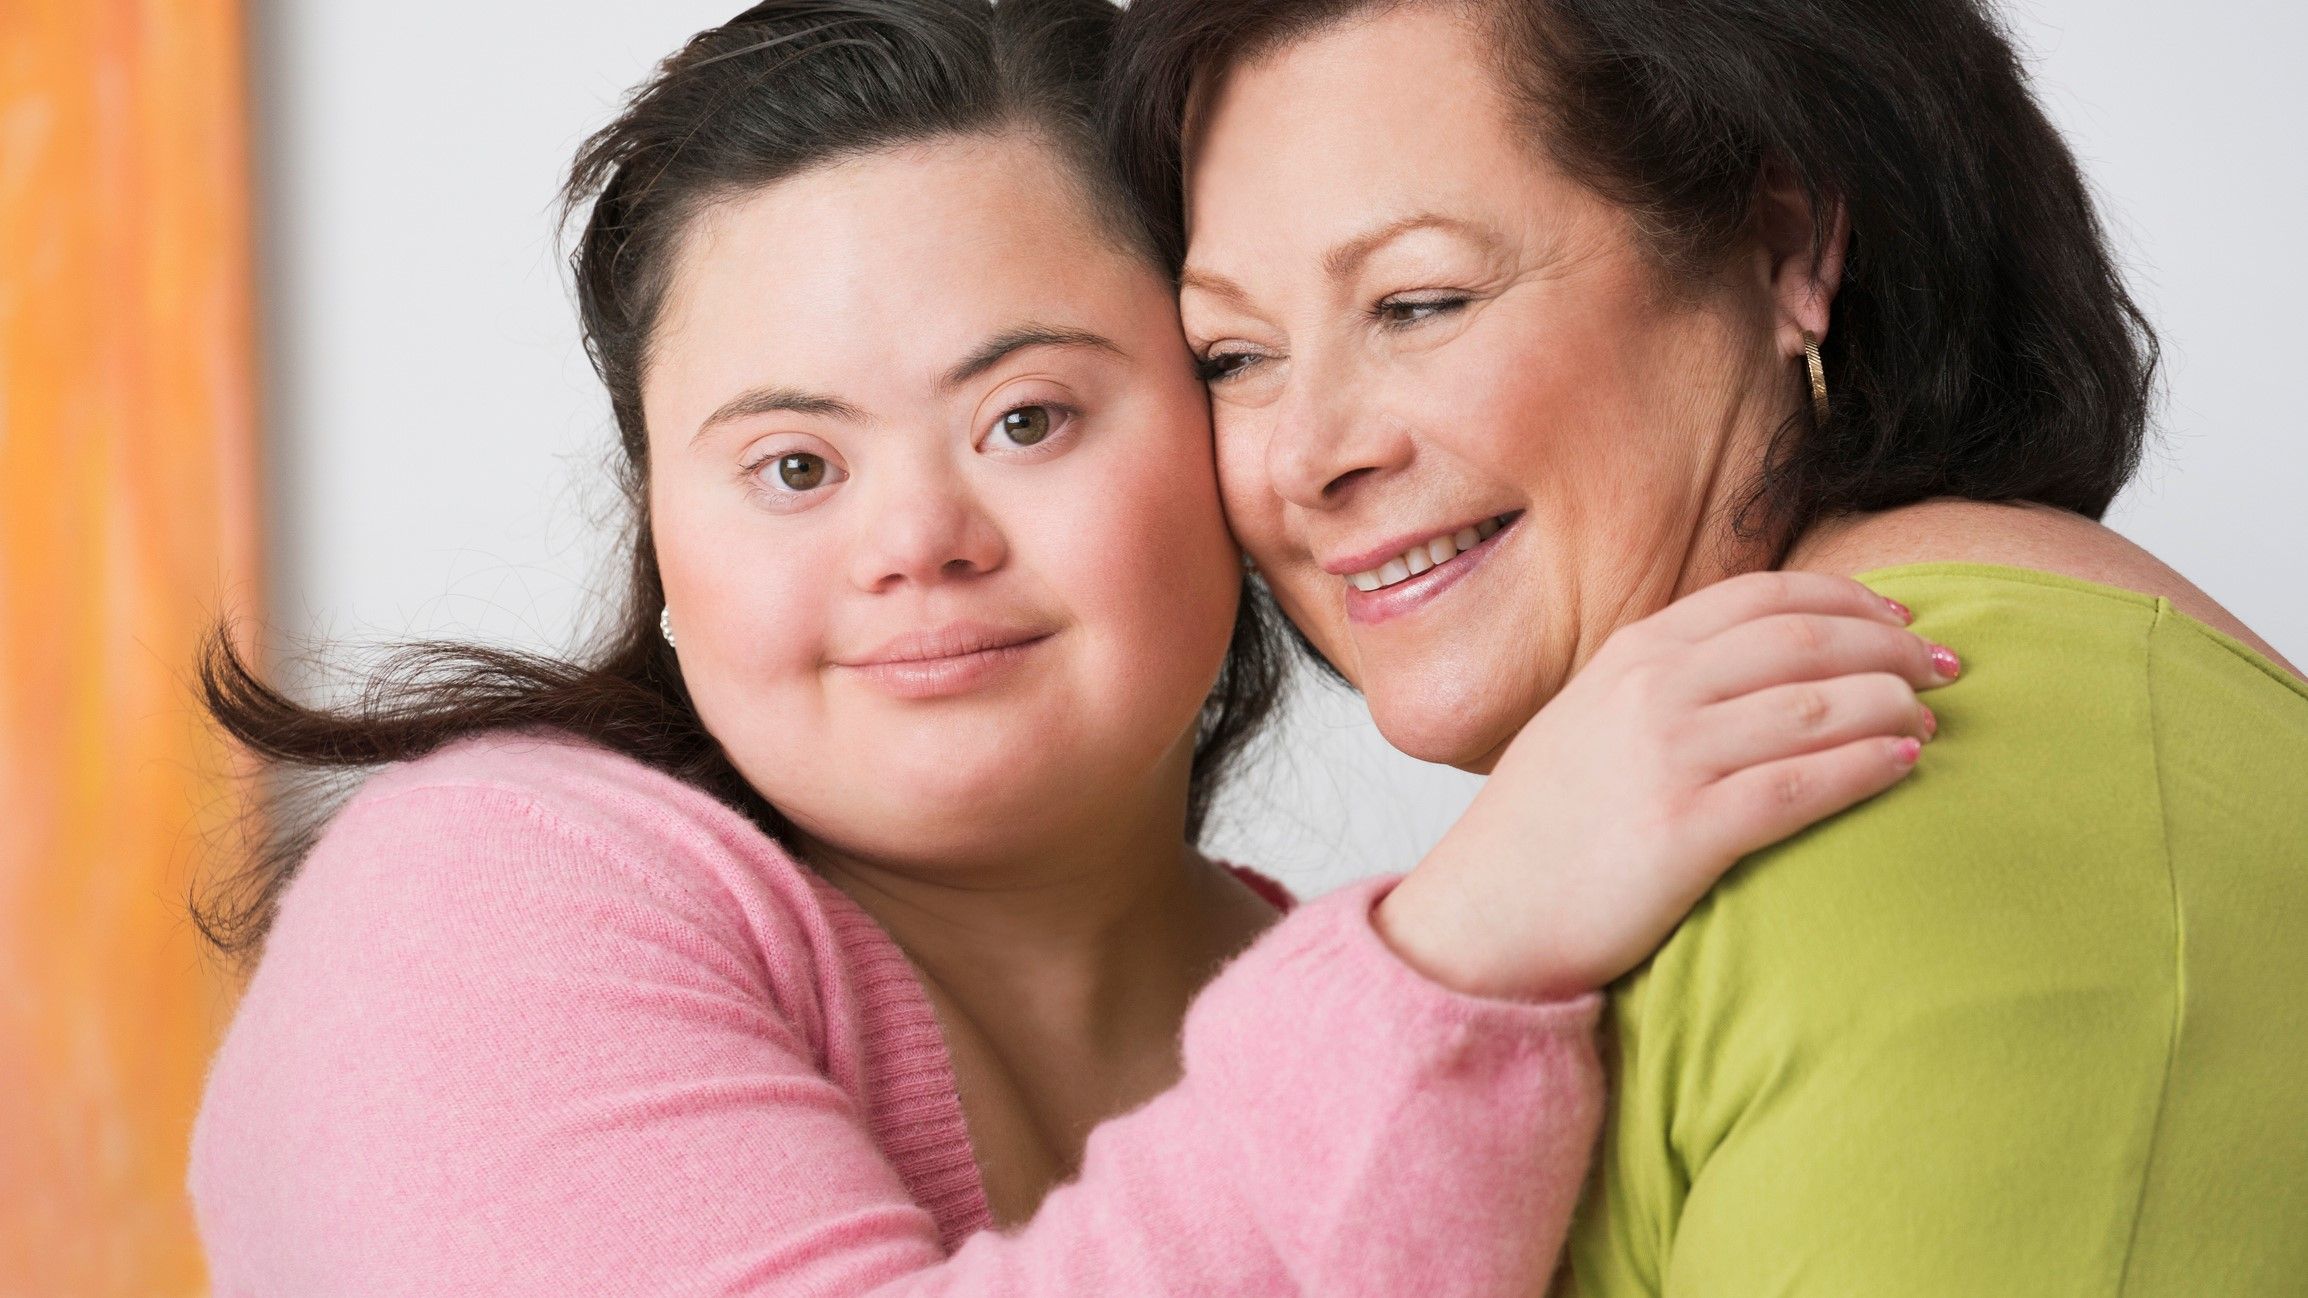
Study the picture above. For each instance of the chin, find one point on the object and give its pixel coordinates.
(952, 813)
(1463, 727)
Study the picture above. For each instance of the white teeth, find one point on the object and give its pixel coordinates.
(1425, 555)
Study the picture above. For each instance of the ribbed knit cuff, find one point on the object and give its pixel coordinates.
(1393, 1136)
(1332, 946)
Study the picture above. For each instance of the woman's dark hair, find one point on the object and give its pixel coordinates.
(1984, 345)
(782, 88)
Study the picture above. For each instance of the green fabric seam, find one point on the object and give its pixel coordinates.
(2164, 612)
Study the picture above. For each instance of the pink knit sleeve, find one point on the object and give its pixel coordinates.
(490, 1054)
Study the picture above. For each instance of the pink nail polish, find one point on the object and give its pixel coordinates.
(1930, 723)
(1945, 660)
(1907, 750)
(1905, 614)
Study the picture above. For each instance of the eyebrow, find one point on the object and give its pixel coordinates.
(1347, 258)
(995, 350)
(1213, 283)
(764, 401)
(1003, 345)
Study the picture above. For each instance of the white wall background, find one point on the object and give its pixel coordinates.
(437, 440)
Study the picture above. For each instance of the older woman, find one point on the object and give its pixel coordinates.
(1522, 320)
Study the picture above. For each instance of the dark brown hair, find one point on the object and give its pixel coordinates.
(782, 88)
(1984, 344)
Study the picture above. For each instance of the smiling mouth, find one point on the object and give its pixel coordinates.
(1427, 555)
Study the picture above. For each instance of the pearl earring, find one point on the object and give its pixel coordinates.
(665, 625)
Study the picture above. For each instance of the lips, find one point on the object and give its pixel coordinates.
(948, 660)
(1419, 556)
(1397, 588)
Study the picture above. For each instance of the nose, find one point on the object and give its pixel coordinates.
(923, 526)
(1328, 436)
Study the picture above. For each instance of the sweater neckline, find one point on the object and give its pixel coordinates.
(914, 1100)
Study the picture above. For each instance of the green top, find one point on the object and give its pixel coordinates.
(2034, 1022)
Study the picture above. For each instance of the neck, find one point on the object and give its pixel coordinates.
(1098, 936)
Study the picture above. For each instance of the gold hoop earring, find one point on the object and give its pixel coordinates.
(1818, 378)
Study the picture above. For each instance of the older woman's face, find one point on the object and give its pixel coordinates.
(1461, 427)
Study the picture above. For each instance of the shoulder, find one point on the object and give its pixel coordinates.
(534, 836)
(2018, 536)
(488, 786)
(516, 970)
(517, 892)
(2028, 840)
(579, 787)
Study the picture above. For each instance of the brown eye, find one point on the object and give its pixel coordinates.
(1026, 425)
(801, 472)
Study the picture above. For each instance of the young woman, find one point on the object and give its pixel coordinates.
(833, 931)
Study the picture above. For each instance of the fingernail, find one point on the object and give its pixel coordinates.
(1907, 750)
(1945, 660)
(1930, 723)
(1899, 610)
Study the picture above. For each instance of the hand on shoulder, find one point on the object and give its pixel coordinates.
(1733, 718)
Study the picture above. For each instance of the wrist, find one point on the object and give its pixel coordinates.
(1447, 934)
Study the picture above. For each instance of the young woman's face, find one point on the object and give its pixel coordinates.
(1418, 329)
(932, 493)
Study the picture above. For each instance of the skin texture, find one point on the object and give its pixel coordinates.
(1022, 837)
(1413, 319)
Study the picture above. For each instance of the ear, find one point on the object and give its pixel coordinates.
(1802, 271)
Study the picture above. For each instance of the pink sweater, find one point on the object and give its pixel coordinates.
(537, 1019)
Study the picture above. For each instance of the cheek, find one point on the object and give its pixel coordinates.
(1520, 402)
(1259, 518)
(1159, 533)
(1254, 510)
(1564, 409)
(1142, 551)
(749, 612)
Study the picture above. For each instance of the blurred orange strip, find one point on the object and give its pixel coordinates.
(128, 517)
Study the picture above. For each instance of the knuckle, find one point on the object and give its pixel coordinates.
(1806, 636)
(1643, 684)
(1770, 590)
(1628, 641)
(1789, 789)
(1809, 709)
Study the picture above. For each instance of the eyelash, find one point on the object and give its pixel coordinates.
(1384, 312)
(1213, 368)
(1219, 367)
(750, 473)
(1061, 424)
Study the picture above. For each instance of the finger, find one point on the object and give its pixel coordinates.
(1753, 808)
(1791, 647)
(1806, 717)
(1712, 610)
